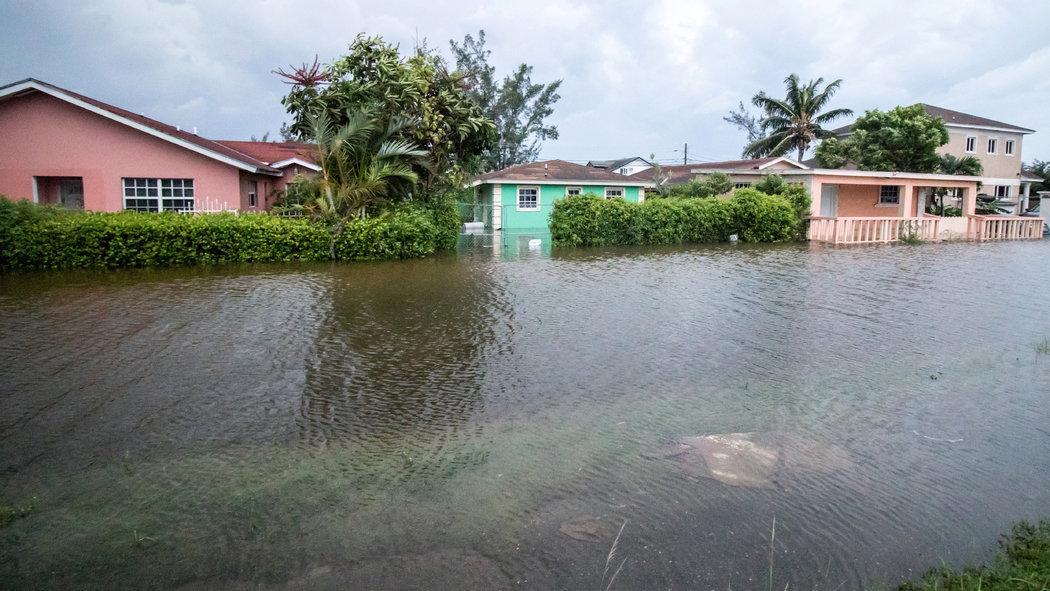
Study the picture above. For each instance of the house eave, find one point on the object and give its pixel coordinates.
(881, 174)
(608, 183)
(300, 162)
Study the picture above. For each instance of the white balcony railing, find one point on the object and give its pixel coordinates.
(1003, 227)
(872, 230)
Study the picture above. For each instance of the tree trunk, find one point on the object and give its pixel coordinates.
(337, 231)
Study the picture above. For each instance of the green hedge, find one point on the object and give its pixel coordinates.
(33, 237)
(753, 216)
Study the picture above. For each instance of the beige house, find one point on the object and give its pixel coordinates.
(996, 144)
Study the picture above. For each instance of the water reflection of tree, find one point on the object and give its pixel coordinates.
(399, 352)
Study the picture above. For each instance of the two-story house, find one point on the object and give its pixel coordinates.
(624, 166)
(996, 144)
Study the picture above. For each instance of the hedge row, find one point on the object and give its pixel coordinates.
(33, 237)
(751, 215)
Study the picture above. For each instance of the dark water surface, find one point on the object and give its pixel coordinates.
(441, 423)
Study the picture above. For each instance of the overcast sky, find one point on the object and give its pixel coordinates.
(639, 78)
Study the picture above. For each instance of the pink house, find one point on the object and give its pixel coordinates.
(60, 147)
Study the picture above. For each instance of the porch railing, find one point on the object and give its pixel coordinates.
(872, 230)
(1003, 227)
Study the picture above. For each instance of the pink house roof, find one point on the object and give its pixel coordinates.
(191, 141)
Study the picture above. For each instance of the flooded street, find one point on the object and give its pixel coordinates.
(491, 420)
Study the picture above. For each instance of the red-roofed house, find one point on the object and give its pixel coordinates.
(60, 147)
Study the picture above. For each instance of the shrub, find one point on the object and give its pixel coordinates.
(592, 221)
(33, 237)
(795, 193)
(409, 233)
(716, 183)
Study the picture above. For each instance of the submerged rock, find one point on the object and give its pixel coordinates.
(751, 459)
(586, 529)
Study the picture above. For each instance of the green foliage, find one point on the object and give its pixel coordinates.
(1039, 168)
(902, 139)
(771, 184)
(717, 183)
(990, 205)
(1022, 563)
(518, 107)
(39, 238)
(442, 117)
(591, 221)
(836, 153)
(910, 233)
(797, 120)
(966, 166)
(752, 125)
(758, 217)
(362, 167)
(796, 195)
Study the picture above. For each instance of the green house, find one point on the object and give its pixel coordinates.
(521, 197)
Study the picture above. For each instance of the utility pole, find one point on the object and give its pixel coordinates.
(685, 154)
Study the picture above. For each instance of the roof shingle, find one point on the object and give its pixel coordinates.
(951, 117)
(556, 170)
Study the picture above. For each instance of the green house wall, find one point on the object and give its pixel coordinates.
(537, 219)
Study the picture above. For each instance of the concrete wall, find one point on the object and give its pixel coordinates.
(862, 201)
(44, 136)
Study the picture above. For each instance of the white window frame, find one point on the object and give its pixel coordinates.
(883, 195)
(253, 193)
(158, 191)
(622, 190)
(525, 188)
(1008, 147)
(1003, 193)
(967, 148)
(569, 193)
(993, 146)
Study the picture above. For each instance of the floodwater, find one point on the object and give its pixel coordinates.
(492, 420)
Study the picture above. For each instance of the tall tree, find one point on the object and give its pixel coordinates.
(795, 121)
(902, 139)
(1039, 168)
(436, 110)
(746, 121)
(518, 106)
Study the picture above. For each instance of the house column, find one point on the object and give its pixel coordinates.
(907, 201)
(497, 207)
(1024, 199)
(969, 200)
(816, 188)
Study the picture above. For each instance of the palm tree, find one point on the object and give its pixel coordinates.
(363, 165)
(794, 122)
(966, 166)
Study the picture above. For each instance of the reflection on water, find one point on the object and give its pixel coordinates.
(491, 420)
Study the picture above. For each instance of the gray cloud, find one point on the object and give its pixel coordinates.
(638, 77)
